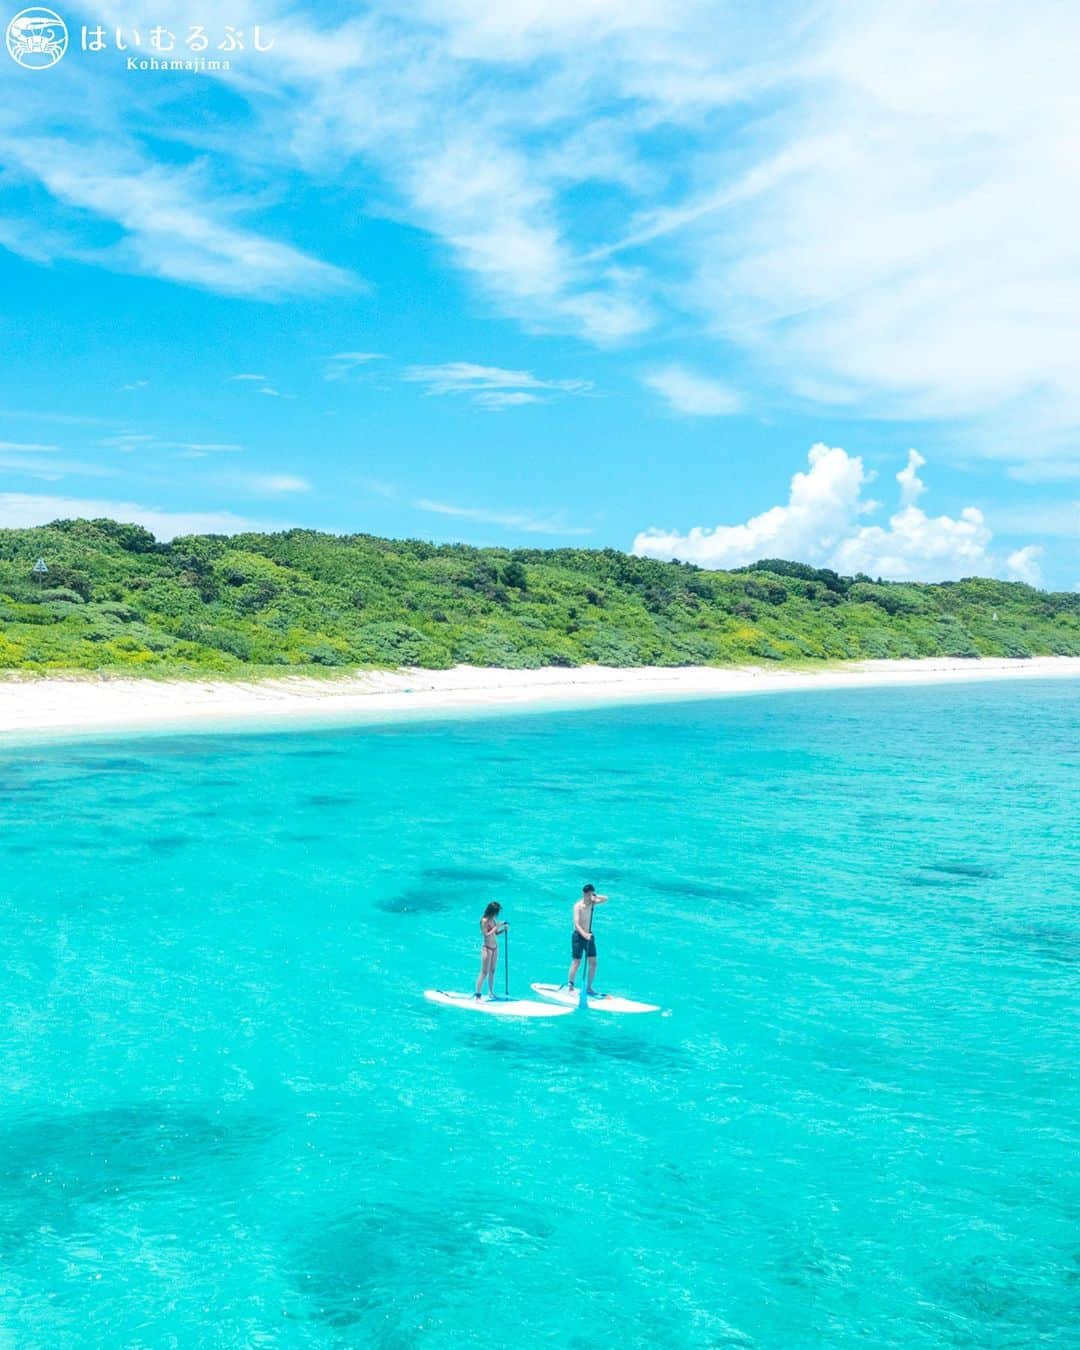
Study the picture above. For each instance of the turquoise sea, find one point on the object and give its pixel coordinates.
(230, 1118)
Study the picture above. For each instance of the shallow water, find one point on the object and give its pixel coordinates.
(231, 1119)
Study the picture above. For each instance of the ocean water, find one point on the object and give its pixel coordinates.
(230, 1119)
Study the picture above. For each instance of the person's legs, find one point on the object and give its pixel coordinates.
(592, 976)
(483, 972)
(573, 971)
(493, 961)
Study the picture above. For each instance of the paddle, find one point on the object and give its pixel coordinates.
(583, 997)
(506, 960)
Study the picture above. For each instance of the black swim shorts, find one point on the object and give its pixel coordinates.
(580, 948)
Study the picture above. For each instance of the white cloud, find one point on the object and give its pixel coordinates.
(270, 484)
(510, 520)
(257, 379)
(19, 510)
(28, 447)
(127, 442)
(200, 449)
(820, 524)
(912, 486)
(337, 367)
(135, 384)
(49, 468)
(874, 204)
(1023, 565)
(174, 224)
(1060, 518)
(691, 393)
(1045, 471)
(491, 387)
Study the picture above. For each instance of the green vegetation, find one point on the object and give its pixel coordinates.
(114, 599)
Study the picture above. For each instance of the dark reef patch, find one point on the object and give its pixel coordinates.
(168, 843)
(416, 900)
(464, 875)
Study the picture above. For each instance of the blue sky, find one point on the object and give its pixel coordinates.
(669, 276)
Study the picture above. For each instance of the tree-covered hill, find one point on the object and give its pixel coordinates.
(114, 599)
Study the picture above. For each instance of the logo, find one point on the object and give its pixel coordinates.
(37, 38)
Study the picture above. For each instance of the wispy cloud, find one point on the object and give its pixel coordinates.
(200, 449)
(509, 520)
(28, 447)
(135, 384)
(175, 223)
(491, 387)
(344, 363)
(51, 468)
(269, 484)
(1061, 519)
(66, 419)
(685, 391)
(1045, 471)
(127, 442)
(19, 510)
(265, 385)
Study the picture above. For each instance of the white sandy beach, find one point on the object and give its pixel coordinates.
(96, 704)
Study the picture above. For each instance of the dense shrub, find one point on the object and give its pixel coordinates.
(115, 597)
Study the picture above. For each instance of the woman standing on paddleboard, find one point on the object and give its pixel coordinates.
(490, 932)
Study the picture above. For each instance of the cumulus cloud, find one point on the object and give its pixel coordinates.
(1023, 565)
(688, 392)
(821, 524)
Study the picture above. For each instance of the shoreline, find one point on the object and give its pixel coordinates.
(76, 705)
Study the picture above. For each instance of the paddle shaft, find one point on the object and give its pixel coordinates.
(583, 997)
(506, 961)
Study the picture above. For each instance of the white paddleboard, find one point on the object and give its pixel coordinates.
(496, 1007)
(571, 998)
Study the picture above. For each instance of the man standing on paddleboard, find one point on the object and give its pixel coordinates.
(582, 942)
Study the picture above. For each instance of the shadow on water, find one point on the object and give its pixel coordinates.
(974, 871)
(96, 764)
(416, 900)
(169, 843)
(53, 1166)
(938, 881)
(699, 890)
(464, 875)
(988, 1297)
(345, 1271)
(592, 1045)
(1052, 942)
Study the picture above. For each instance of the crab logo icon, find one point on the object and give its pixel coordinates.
(37, 38)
